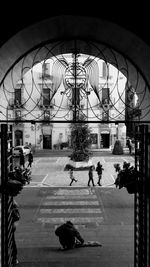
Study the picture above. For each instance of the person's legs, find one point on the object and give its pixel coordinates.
(99, 179)
(93, 182)
(67, 244)
(71, 182)
(62, 242)
(70, 243)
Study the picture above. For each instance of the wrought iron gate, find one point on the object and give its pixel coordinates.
(6, 201)
(79, 74)
(142, 157)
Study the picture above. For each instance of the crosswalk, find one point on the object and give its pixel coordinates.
(80, 206)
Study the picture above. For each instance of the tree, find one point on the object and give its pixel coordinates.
(80, 139)
(118, 149)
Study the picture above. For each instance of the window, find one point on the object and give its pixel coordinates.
(105, 115)
(46, 96)
(105, 96)
(46, 70)
(103, 70)
(18, 115)
(17, 97)
(47, 115)
(93, 138)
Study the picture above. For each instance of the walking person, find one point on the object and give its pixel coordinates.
(129, 145)
(72, 177)
(99, 170)
(22, 159)
(30, 159)
(91, 176)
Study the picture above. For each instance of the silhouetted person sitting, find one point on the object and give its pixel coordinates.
(68, 235)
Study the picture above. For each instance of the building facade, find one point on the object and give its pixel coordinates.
(44, 100)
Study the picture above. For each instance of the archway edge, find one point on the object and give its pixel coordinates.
(60, 27)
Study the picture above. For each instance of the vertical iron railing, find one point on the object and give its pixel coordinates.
(6, 202)
(141, 197)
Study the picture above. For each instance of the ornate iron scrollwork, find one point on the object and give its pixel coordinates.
(97, 85)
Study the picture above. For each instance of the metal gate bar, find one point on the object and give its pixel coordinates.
(6, 202)
(140, 209)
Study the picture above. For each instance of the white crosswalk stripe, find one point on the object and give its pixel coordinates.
(75, 197)
(66, 203)
(79, 211)
(75, 220)
(80, 206)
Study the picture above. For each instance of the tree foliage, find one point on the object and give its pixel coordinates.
(80, 139)
(118, 149)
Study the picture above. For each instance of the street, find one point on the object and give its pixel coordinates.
(49, 171)
(103, 214)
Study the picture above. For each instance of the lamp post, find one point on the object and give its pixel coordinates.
(34, 123)
(35, 136)
(116, 130)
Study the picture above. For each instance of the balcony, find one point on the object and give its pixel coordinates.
(42, 105)
(15, 104)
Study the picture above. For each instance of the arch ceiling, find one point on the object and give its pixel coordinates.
(93, 36)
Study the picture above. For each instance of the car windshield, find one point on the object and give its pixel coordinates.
(18, 148)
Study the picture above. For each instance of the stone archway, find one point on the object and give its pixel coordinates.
(67, 28)
(71, 27)
(21, 49)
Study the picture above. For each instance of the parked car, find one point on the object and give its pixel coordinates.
(17, 150)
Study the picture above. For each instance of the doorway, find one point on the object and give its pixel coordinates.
(18, 138)
(105, 140)
(47, 142)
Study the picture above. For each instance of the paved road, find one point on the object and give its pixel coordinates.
(102, 214)
(50, 171)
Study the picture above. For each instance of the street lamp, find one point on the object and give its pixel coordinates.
(116, 130)
(34, 123)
